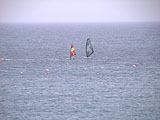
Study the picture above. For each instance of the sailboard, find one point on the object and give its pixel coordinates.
(89, 48)
(72, 52)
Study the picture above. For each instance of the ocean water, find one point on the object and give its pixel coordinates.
(102, 87)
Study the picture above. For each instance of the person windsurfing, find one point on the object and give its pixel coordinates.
(72, 52)
(89, 48)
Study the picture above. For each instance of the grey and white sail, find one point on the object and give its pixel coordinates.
(89, 48)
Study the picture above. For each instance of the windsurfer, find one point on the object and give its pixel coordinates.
(72, 52)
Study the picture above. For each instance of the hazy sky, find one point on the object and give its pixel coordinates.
(79, 10)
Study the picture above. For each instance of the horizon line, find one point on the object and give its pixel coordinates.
(82, 22)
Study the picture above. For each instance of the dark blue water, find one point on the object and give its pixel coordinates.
(103, 87)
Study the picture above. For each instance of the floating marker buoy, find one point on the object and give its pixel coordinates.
(47, 70)
(1, 58)
(134, 66)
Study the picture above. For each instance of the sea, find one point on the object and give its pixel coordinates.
(119, 81)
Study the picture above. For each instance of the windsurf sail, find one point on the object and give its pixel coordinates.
(72, 52)
(89, 48)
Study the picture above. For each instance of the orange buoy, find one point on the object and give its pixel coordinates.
(134, 66)
(47, 70)
(1, 58)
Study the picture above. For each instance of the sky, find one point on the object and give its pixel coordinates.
(79, 11)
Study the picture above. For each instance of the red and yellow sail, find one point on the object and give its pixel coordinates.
(72, 52)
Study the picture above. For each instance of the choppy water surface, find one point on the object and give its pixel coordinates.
(103, 87)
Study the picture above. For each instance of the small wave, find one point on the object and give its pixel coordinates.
(87, 57)
(20, 59)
